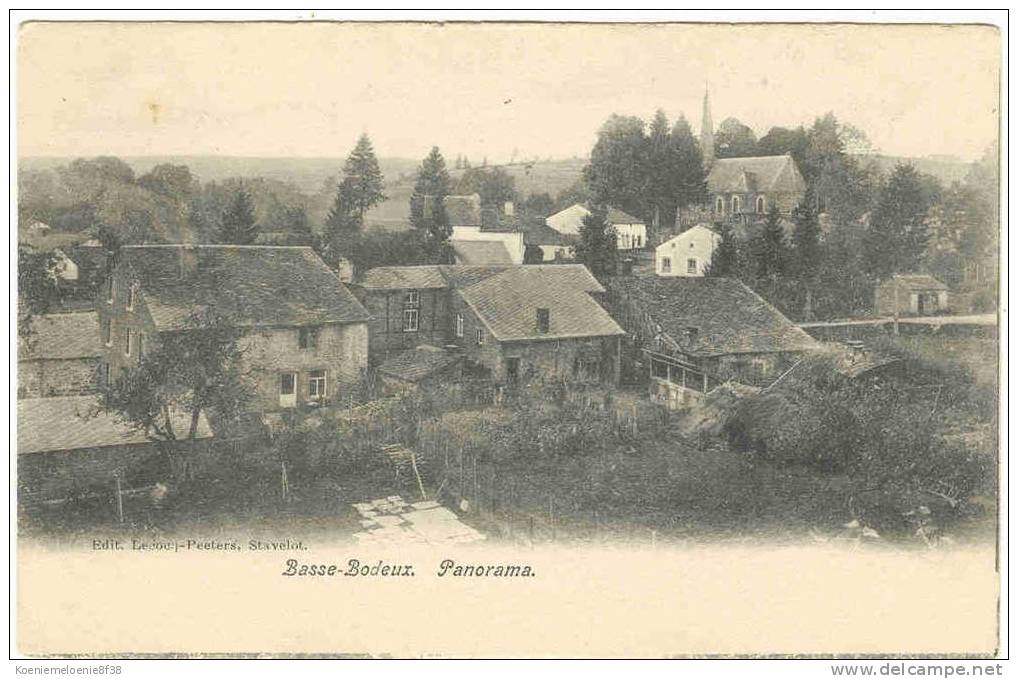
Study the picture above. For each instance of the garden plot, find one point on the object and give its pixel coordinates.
(392, 521)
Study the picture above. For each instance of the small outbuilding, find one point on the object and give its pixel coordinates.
(910, 295)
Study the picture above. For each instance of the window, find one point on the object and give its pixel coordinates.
(288, 390)
(459, 325)
(107, 333)
(639, 241)
(512, 369)
(109, 290)
(141, 344)
(108, 374)
(719, 206)
(128, 336)
(691, 265)
(543, 320)
(317, 388)
(307, 338)
(761, 207)
(736, 205)
(130, 297)
(480, 336)
(666, 265)
(411, 311)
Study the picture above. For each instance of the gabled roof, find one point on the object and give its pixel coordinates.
(417, 364)
(480, 252)
(727, 316)
(918, 282)
(539, 233)
(765, 174)
(617, 216)
(432, 276)
(463, 210)
(80, 425)
(251, 285)
(507, 303)
(693, 230)
(62, 337)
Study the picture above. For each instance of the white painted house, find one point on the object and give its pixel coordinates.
(630, 232)
(688, 254)
(477, 238)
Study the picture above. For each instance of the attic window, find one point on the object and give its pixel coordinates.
(307, 338)
(760, 205)
(543, 319)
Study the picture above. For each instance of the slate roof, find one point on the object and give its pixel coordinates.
(539, 233)
(480, 252)
(417, 364)
(463, 210)
(507, 303)
(62, 337)
(918, 282)
(617, 216)
(729, 318)
(433, 276)
(765, 174)
(251, 285)
(81, 425)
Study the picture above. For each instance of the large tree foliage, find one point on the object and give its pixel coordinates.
(772, 251)
(662, 171)
(725, 261)
(38, 288)
(495, 186)
(781, 140)
(690, 177)
(597, 246)
(237, 225)
(196, 370)
(897, 233)
(427, 204)
(363, 183)
(733, 139)
(617, 173)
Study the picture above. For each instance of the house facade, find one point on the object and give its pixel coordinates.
(61, 357)
(630, 231)
(553, 245)
(745, 189)
(305, 336)
(483, 236)
(910, 295)
(515, 323)
(687, 254)
(690, 334)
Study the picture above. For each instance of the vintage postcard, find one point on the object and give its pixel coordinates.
(507, 340)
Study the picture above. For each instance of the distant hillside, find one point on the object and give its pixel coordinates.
(948, 170)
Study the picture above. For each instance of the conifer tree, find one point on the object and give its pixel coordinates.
(427, 204)
(237, 226)
(725, 261)
(363, 180)
(772, 252)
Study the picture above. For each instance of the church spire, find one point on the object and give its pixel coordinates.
(707, 130)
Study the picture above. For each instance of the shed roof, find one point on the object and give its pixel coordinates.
(538, 233)
(480, 252)
(62, 337)
(252, 285)
(617, 216)
(417, 364)
(728, 317)
(81, 425)
(918, 282)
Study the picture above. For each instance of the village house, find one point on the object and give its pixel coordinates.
(693, 333)
(552, 244)
(630, 232)
(306, 335)
(61, 355)
(483, 236)
(67, 447)
(910, 295)
(687, 254)
(514, 323)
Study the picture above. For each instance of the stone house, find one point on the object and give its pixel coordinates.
(61, 356)
(687, 254)
(514, 323)
(306, 335)
(745, 189)
(690, 334)
(910, 295)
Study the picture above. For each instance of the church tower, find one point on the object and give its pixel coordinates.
(707, 131)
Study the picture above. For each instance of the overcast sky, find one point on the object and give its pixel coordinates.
(539, 90)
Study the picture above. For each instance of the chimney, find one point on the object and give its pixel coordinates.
(508, 208)
(187, 261)
(543, 320)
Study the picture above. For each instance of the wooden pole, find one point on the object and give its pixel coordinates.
(120, 499)
(420, 484)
